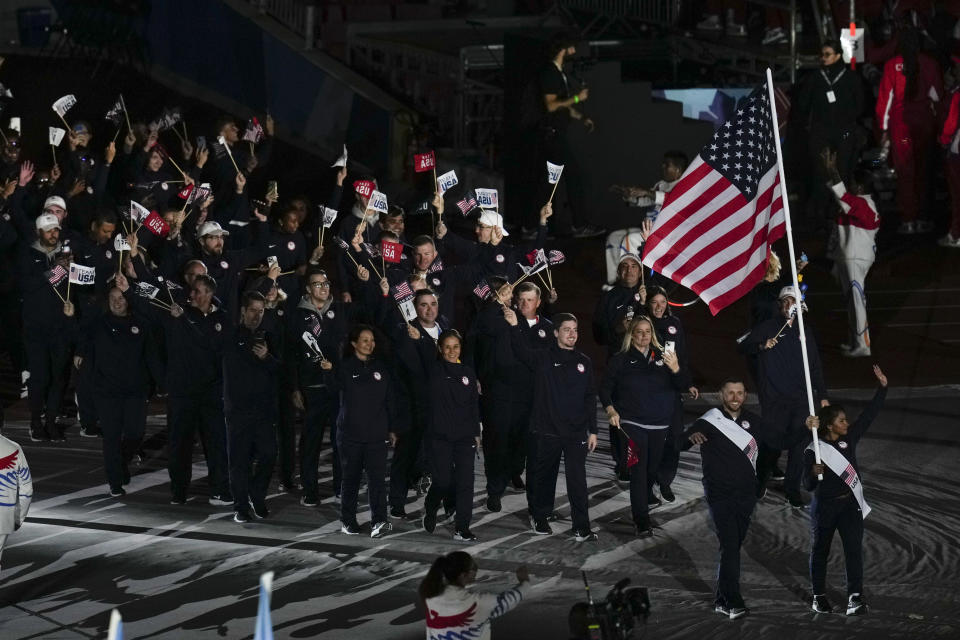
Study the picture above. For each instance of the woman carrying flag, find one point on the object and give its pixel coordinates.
(838, 503)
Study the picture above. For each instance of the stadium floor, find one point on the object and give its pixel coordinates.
(178, 572)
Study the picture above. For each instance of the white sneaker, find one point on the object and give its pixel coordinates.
(379, 529)
(949, 241)
(859, 352)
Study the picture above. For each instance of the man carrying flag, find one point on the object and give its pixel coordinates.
(713, 236)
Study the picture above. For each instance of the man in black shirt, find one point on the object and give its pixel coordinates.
(560, 102)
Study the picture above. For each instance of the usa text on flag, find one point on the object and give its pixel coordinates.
(716, 226)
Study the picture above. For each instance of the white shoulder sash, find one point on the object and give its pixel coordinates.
(737, 434)
(839, 464)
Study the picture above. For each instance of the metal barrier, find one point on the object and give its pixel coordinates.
(300, 16)
(663, 12)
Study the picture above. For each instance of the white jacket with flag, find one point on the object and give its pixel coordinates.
(16, 486)
(460, 614)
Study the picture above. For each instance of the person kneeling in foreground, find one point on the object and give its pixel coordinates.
(455, 612)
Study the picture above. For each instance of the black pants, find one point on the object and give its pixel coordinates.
(286, 435)
(506, 424)
(200, 411)
(86, 396)
(321, 411)
(48, 354)
(558, 149)
(543, 459)
(649, 447)
(451, 464)
(123, 420)
(670, 460)
(731, 518)
(252, 451)
(785, 418)
(355, 458)
(407, 465)
(827, 516)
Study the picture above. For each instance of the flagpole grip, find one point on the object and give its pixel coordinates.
(793, 262)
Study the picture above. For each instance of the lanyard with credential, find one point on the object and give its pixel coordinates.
(831, 96)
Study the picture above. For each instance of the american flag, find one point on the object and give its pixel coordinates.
(482, 290)
(751, 449)
(714, 232)
(468, 204)
(436, 266)
(849, 475)
(372, 250)
(341, 243)
(402, 292)
(56, 275)
(556, 257)
(632, 454)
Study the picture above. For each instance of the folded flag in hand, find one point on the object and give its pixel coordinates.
(56, 275)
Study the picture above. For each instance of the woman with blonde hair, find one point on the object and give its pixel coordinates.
(638, 393)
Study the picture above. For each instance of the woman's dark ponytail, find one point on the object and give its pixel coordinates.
(444, 570)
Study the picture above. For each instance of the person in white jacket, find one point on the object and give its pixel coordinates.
(455, 613)
(853, 249)
(16, 488)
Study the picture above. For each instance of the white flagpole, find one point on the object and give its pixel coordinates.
(793, 262)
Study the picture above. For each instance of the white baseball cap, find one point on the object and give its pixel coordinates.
(212, 229)
(629, 256)
(788, 291)
(54, 201)
(492, 219)
(47, 221)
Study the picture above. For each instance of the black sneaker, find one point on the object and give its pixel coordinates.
(90, 431)
(777, 474)
(667, 493)
(398, 512)
(540, 527)
(464, 535)
(429, 520)
(379, 529)
(796, 501)
(178, 499)
(308, 501)
(643, 531)
(721, 609)
(241, 516)
(584, 536)
(260, 510)
(57, 434)
(653, 501)
(493, 504)
(118, 493)
(352, 529)
(39, 435)
(855, 605)
(518, 483)
(738, 612)
(821, 604)
(221, 500)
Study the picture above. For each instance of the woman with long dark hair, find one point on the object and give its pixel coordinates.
(911, 87)
(638, 393)
(454, 612)
(838, 502)
(453, 429)
(364, 427)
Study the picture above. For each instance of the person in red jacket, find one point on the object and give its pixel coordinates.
(909, 92)
(950, 140)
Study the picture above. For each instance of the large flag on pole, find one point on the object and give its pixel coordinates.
(264, 629)
(714, 232)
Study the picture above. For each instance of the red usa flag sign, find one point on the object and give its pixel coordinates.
(424, 162)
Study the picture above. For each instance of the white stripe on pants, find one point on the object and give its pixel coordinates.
(851, 274)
